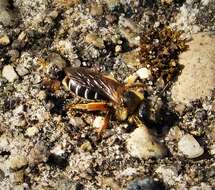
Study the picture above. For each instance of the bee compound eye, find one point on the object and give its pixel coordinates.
(127, 98)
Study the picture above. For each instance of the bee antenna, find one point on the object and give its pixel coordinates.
(162, 91)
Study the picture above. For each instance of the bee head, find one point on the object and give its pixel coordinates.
(130, 101)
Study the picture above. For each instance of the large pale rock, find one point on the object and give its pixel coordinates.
(142, 144)
(198, 75)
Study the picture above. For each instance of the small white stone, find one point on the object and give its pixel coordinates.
(205, 2)
(77, 122)
(58, 150)
(18, 162)
(9, 73)
(18, 110)
(98, 122)
(19, 121)
(31, 131)
(212, 149)
(128, 172)
(118, 48)
(42, 95)
(112, 3)
(144, 73)
(142, 144)
(22, 70)
(4, 40)
(169, 174)
(190, 147)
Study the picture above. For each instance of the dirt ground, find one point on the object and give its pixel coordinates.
(167, 46)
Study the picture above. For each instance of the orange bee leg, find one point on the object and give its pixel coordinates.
(93, 106)
(105, 124)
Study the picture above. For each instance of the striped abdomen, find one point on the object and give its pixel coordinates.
(83, 91)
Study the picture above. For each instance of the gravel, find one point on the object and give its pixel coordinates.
(45, 146)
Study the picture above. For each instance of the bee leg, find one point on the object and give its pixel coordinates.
(93, 106)
(136, 121)
(129, 85)
(105, 124)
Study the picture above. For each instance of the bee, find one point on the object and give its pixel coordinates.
(108, 94)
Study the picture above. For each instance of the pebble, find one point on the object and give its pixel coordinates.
(142, 144)
(128, 172)
(112, 3)
(31, 131)
(66, 184)
(175, 133)
(42, 95)
(19, 121)
(98, 122)
(109, 182)
(22, 36)
(131, 58)
(96, 9)
(4, 40)
(212, 149)
(6, 16)
(203, 186)
(22, 70)
(143, 73)
(168, 2)
(9, 73)
(146, 183)
(58, 150)
(18, 162)
(21, 186)
(18, 110)
(189, 146)
(86, 146)
(17, 177)
(129, 30)
(94, 39)
(77, 122)
(169, 174)
(198, 62)
(39, 153)
(118, 48)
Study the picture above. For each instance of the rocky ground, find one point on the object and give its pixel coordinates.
(167, 45)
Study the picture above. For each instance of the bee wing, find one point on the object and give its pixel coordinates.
(100, 83)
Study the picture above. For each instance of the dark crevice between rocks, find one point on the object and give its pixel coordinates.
(58, 103)
(5, 153)
(60, 162)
